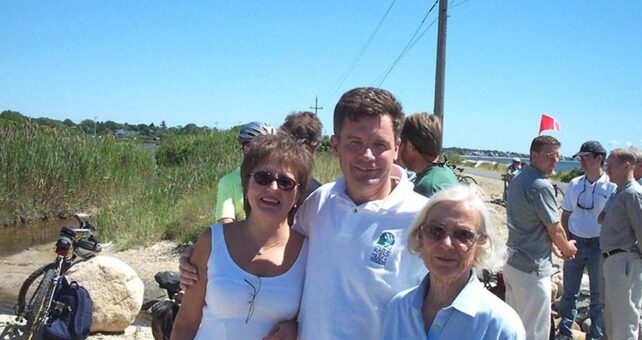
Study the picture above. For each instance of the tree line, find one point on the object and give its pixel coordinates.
(108, 127)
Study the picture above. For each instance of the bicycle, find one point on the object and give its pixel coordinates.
(459, 173)
(37, 305)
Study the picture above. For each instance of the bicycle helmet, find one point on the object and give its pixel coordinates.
(253, 129)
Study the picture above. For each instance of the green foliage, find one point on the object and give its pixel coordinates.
(51, 170)
(325, 145)
(50, 167)
(567, 175)
(199, 148)
(14, 116)
(179, 201)
(326, 168)
(454, 158)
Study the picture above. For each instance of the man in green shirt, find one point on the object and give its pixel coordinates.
(419, 151)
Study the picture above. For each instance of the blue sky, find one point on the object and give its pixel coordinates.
(222, 63)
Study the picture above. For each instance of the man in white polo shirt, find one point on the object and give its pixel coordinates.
(357, 226)
(585, 198)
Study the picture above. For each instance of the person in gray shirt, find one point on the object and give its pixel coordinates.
(637, 172)
(620, 240)
(534, 230)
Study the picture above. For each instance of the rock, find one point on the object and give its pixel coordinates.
(586, 325)
(116, 292)
(578, 335)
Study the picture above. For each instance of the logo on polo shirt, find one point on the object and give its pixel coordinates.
(382, 248)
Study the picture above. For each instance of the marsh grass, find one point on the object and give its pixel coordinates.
(178, 202)
(326, 167)
(47, 171)
(139, 196)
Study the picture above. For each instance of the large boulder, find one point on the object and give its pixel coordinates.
(116, 292)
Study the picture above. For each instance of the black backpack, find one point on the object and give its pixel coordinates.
(70, 313)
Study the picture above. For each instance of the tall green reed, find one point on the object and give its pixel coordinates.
(51, 171)
(178, 202)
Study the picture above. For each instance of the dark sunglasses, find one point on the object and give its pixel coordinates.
(283, 182)
(438, 234)
(579, 203)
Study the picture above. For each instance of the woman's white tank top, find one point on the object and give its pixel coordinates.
(240, 305)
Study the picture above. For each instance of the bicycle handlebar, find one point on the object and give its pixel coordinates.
(80, 238)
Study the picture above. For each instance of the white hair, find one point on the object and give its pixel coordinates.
(492, 252)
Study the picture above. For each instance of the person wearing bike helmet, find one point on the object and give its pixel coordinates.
(229, 196)
(419, 151)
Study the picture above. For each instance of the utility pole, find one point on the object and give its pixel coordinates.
(95, 126)
(316, 106)
(440, 71)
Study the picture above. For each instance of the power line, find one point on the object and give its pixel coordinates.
(354, 63)
(413, 40)
(457, 4)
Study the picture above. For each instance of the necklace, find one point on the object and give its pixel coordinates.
(263, 249)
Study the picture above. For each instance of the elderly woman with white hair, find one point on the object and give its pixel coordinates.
(455, 238)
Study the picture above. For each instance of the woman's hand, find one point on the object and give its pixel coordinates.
(284, 330)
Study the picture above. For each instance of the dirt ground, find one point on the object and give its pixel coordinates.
(148, 261)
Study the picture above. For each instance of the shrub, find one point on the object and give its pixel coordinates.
(567, 175)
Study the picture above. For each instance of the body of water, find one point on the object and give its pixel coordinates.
(16, 238)
(562, 165)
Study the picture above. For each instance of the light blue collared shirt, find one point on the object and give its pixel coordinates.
(474, 314)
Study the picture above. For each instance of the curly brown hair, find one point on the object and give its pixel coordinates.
(305, 127)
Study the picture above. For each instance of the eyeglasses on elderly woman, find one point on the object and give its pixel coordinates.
(437, 234)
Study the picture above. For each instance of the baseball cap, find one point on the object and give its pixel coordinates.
(590, 147)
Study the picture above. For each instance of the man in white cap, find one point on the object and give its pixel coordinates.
(585, 198)
(514, 168)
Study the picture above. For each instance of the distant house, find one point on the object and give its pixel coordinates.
(125, 133)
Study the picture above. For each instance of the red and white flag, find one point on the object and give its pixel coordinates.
(548, 123)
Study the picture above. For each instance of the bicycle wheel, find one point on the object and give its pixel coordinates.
(38, 306)
(467, 180)
(22, 303)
